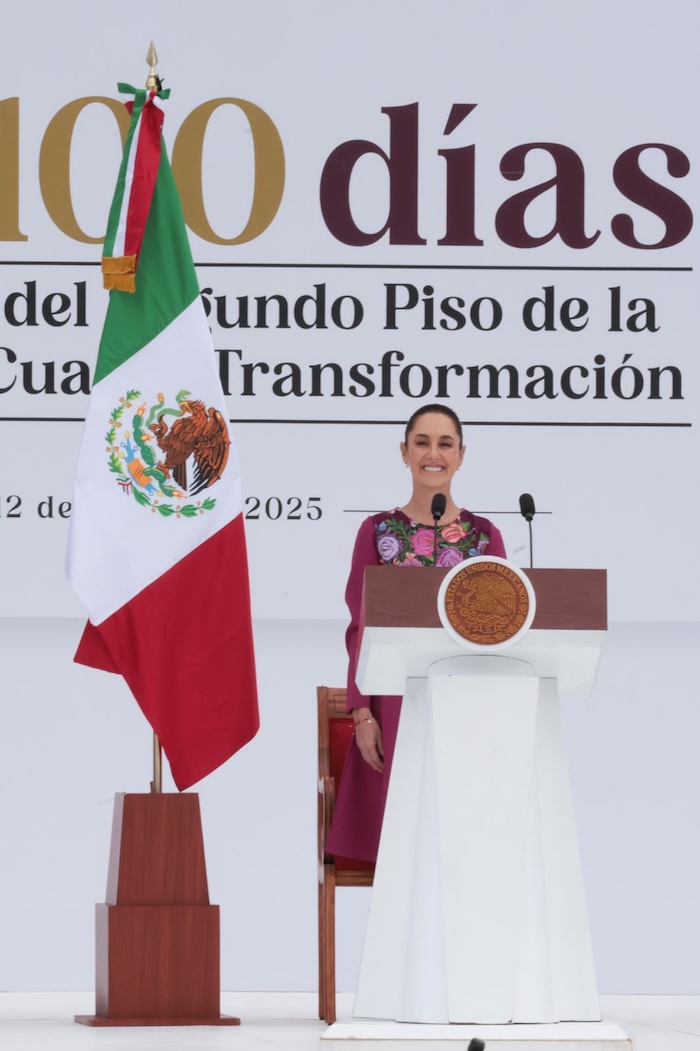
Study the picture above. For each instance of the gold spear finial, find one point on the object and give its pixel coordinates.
(153, 80)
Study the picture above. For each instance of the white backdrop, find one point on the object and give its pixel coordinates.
(596, 413)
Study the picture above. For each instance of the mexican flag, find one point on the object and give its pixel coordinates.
(156, 549)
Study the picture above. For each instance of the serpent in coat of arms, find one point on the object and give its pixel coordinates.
(169, 454)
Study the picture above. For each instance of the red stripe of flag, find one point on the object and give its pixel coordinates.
(184, 645)
(146, 164)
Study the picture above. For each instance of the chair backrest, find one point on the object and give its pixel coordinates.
(335, 730)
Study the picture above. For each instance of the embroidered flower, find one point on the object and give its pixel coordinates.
(423, 541)
(410, 560)
(453, 532)
(449, 556)
(388, 547)
(480, 547)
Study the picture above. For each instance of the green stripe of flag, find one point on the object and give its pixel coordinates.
(166, 281)
(115, 210)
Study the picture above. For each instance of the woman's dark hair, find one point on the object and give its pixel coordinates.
(443, 410)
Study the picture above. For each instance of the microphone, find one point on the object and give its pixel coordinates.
(527, 510)
(527, 507)
(439, 503)
(437, 510)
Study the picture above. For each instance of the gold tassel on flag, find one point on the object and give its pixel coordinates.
(119, 272)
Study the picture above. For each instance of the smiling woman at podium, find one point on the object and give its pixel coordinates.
(424, 532)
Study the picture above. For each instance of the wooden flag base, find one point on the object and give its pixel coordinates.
(157, 936)
(95, 1020)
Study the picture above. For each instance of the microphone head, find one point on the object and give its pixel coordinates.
(437, 506)
(527, 507)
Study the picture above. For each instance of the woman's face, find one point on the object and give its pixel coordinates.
(433, 451)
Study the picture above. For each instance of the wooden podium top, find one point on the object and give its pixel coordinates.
(567, 599)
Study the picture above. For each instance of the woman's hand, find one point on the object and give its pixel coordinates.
(368, 734)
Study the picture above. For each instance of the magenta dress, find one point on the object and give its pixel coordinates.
(390, 539)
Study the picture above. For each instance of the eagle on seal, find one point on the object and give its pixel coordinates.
(199, 433)
(488, 594)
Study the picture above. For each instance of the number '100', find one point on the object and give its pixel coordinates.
(55, 165)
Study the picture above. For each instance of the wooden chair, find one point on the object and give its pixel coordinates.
(335, 728)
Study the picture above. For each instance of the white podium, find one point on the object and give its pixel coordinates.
(478, 912)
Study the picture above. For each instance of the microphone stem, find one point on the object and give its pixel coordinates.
(529, 525)
(435, 541)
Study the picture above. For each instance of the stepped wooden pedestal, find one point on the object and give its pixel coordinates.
(157, 936)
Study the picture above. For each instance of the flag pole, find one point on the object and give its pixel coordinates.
(157, 782)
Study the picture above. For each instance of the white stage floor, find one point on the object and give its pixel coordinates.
(287, 1022)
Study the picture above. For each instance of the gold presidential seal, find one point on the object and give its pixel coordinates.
(486, 602)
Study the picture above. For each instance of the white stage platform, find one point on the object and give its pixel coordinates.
(407, 1036)
(288, 1022)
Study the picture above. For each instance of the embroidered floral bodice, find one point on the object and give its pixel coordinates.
(403, 542)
